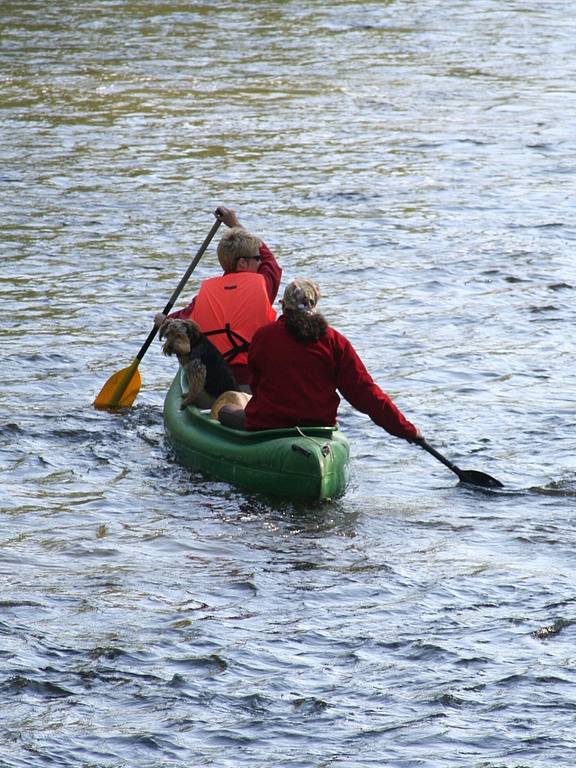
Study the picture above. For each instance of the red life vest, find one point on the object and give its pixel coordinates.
(229, 309)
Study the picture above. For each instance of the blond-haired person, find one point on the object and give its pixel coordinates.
(230, 308)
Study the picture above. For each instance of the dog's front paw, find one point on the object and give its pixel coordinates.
(186, 400)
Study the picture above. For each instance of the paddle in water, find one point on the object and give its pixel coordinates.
(468, 476)
(121, 389)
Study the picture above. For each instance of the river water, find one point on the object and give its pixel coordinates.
(417, 158)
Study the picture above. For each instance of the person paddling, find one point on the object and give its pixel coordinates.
(299, 364)
(230, 308)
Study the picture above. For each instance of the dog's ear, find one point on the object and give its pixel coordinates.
(193, 331)
(164, 329)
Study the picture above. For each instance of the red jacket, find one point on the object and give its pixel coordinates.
(294, 383)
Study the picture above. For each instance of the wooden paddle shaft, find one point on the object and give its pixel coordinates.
(179, 287)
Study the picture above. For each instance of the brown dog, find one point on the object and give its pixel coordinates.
(207, 372)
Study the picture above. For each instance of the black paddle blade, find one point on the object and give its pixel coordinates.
(481, 479)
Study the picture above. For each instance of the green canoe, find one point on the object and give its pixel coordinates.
(303, 463)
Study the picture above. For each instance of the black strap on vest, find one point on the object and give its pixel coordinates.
(238, 344)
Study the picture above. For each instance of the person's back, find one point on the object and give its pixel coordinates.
(230, 309)
(295, 380)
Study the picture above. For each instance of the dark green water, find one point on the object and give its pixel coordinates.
(418, 160)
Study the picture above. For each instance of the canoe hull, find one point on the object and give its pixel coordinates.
(308, 463)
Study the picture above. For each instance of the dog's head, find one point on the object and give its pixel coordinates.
(179, 337)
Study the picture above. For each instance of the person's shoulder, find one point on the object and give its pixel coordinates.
(267, 330)
(336, 335)
(340, 342)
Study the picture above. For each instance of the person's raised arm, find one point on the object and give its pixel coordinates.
(270, 270)
(227, 216)
(269, 267)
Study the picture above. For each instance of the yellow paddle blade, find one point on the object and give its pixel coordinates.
(121, 389)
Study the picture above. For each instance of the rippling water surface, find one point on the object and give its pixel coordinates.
(418, 159)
